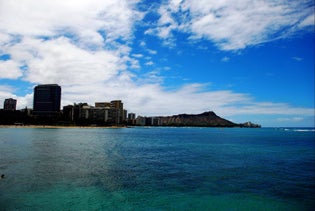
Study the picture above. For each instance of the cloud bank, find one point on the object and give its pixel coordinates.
(234, 25)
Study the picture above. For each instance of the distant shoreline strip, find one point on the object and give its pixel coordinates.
(56, 126)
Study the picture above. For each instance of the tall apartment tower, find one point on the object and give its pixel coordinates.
(132, 118)
(9, 104)
(47, 99)
(118, 106)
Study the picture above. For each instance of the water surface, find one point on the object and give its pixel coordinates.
(157, 169)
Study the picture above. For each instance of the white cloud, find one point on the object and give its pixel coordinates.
(153, 100)
(137, 55)
(290, 119)
(153, 52)
(308, 21)
(9, 69)
(299, 59)
(166, 23)
(225, 59)
(234, 25)
(6, 89)
(83, 18)
(143, 44)
(149, 63)
(24, 101)
(4, 39)
(59, 61)
(267, 108)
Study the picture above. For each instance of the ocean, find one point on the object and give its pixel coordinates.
(157, 168)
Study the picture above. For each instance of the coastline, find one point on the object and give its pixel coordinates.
(112, 127)
(60, 127)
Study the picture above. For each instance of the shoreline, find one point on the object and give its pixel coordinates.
(60, 126)
(107, 127)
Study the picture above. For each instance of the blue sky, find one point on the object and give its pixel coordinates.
(245, 60)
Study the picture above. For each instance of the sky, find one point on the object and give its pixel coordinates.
(245, 60)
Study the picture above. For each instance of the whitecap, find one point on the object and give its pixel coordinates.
(304, 130)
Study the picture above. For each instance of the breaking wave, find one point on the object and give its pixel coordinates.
(300, 129)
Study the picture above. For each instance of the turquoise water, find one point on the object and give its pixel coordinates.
(157, 169)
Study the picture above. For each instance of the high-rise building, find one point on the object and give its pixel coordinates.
(9, 104)
(132, 118)
(118, 106)
(47, 99)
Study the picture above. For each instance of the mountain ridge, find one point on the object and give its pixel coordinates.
(205, 119)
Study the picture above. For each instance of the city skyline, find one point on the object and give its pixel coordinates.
(244, 60)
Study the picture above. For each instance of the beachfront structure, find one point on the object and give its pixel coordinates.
(47, 99)
(9, 104)
(149, 121)
(131, 118)
(118, 107)
(140, 121)
(103, 113)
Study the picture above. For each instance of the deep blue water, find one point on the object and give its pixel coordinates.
(157, 169)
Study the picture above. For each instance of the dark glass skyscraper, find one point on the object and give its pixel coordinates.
(47, 99)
